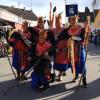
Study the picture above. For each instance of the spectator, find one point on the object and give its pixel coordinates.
(95, 39)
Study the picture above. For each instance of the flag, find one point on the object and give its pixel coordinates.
(71, 10)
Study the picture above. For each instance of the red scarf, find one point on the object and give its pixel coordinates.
(74, 31)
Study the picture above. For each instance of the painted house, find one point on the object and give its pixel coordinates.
(96, 8)
(97, 19)
(13, 16)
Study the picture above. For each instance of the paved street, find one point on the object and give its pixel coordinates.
(64, 90)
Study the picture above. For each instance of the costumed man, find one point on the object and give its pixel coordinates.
(75, 35)
(61, 56)
(41, 74)
(40, 24)
(58, 26)
(21, 42)
(50, 37)
(52, 32)
(35, 37)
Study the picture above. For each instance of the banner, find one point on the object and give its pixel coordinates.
(71, 10)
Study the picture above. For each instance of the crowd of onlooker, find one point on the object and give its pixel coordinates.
(95, 37)
(3, 43)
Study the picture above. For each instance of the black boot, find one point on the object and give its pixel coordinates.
(75, 79)
(23, 77)
(18, 75)
(45, 88)
(64, 73)
(84, 82)
(53, 77)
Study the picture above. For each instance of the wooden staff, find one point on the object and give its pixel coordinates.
(52, 21)
(71, 55)
(37, 62)
(17, 82)
(87, 30)
(65, 11)
(50, 11)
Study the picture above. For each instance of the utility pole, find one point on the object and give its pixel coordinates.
(31, 5)
(18, 3)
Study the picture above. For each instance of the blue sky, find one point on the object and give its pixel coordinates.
(41, 7)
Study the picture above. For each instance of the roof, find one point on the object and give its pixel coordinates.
(26, 14)
(82, 17)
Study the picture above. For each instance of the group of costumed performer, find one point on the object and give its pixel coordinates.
(32, 44)
(71, 47)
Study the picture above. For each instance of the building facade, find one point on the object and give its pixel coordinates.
(13, 16)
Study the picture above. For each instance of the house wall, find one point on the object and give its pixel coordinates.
(8, 16)
(97, 21)
(4, 14)
(97, 4)
(32, 23)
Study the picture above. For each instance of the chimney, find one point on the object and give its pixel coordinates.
(24, 8)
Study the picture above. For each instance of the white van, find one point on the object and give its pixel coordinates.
(5, 28)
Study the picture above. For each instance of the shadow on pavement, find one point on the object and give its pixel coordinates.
(89, 93)
(25, 92)
(92, 50)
